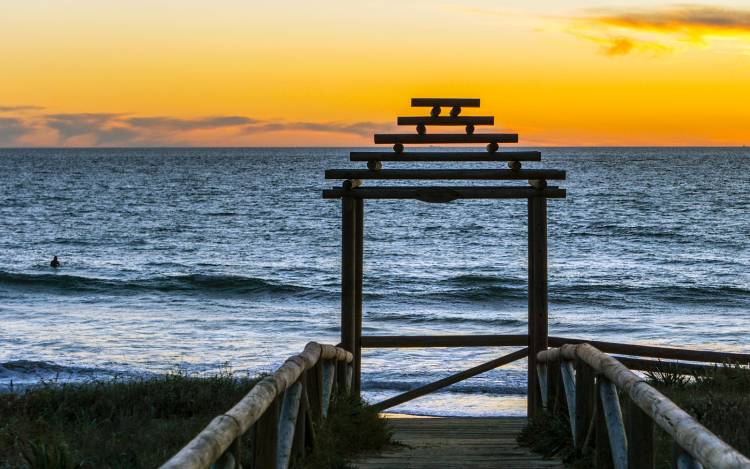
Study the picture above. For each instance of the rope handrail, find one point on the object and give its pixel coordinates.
(213, 443)
(611, 375)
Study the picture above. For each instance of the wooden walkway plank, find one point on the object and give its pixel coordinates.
(451, 443)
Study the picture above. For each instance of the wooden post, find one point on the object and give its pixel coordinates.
(358, 257)
(329, 369)
(266, 437)
(299, 447)
(603, 455)
(348, 233)
(538, 322)
(287, 424)
(556, 392)
(618, 443)
(585, 388)
(569, 383)
(640, 430)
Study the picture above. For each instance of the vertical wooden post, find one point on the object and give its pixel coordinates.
(299, 447)
(348, 233)
(538, 323)
(585, 388)
(266, 437)
(640, 430)
(358, 257)
(603, 455)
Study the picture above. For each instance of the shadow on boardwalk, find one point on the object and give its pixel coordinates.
(457, 443)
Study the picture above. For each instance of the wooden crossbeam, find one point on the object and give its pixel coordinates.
(415, 341)
(447, 120)
(444, 194)
(432, 387)
(657, 352)
(445, 138)
(446, 156)
(432, 174)
(430, 102)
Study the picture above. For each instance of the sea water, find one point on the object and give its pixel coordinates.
(203, 260)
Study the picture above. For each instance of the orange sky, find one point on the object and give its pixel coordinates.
(295, 73)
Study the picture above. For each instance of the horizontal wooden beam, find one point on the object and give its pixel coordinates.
(430, 102)
(444, 194)
(432, 387)
(414, 341)
(445, 156)
(707, 356)
(447, 120)
(666, 367)
(445, 138)
(431, 174)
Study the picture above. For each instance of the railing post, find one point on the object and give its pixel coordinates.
(618, 443)
(299, 446)
(603, 454)
(543, 376)
(538, 321)
(266, 437)
(569, 383)
(329, 369)
(287, 423)
(314, 390)
(640, 430)
(585, 389)
(556, 391)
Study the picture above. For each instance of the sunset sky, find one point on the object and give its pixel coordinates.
(332, 72)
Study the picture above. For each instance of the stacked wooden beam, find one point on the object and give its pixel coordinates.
(352, 185)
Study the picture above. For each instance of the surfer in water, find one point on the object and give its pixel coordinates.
(55, 264)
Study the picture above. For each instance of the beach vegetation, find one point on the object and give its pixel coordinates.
(140, 423)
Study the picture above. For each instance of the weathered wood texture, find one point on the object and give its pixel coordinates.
(359, 241)
(412, 341)
(448, 102)
(445, 138)
(537, 302)
(219, 435)
(348, 246)
(656, 352)
(690, 435)
(429, 174)
(447, 120)
(455, 378)
(453, 443)
(444, 194)
(445, 156)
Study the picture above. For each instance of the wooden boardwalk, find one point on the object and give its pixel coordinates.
(451, 443)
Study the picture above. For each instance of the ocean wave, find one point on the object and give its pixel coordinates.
(185, 284)
(20, 374)
(373, 385)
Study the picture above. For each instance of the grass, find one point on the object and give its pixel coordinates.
(718, 399)
(141, 423)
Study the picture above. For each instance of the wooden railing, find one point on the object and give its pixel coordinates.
(592, 382)
(278, 414)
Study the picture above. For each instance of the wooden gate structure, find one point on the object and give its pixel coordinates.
(276, 420)
(353, 194)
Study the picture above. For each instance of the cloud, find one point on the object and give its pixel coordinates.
(20, 108)
(362, 129)
(123, 129)
(11, 129)
(177, 124)
(74, 125)
(660, 30)
(691, 20)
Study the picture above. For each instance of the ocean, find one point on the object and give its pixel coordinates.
(206, 260)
